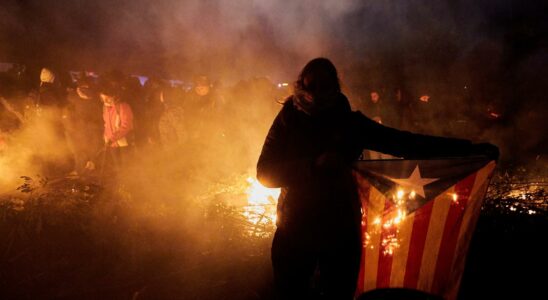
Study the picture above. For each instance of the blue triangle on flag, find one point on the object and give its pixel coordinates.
(427, 178)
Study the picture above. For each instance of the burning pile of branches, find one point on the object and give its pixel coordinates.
(517, 191)
(243, 200)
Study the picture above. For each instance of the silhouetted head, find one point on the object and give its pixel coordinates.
(374, 96)
(109, 94)
(84, 88)
(319, 77)
(202, 86)
(47, 76)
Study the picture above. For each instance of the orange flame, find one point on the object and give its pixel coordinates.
(261, 203)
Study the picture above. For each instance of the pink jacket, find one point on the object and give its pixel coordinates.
(118, 123)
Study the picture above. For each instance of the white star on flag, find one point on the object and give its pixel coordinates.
(414, 182)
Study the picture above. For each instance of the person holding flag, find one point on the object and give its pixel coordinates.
(309, 152)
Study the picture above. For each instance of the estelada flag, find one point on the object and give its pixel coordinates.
(418, 220)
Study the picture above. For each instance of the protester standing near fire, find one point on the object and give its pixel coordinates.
(309, 152)
(52, 101)
(83, 125)
(118, 122)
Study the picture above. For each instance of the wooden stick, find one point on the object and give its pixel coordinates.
(12, 110)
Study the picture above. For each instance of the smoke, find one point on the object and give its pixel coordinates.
(234, 39)
(36, 147)
(156, 216)
(237, 39)
(465, 55)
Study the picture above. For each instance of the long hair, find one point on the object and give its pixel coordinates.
(318, 76)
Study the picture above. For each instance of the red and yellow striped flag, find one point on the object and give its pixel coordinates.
(418, 220)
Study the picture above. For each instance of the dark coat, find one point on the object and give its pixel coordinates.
(315, 197)
(51, 96)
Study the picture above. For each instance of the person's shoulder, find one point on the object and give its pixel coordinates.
(287, 111)
(288, 105)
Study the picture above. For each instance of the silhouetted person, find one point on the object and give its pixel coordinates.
(51, 103)
(375, 108)
(309, 152)
(51, 93)
(153, 110)
(203, 111)
(402, 109)
(171, 125)
(83, 125)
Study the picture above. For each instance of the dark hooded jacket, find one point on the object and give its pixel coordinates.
(316, 197)
(51, 96)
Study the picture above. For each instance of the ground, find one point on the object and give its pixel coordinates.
(72, 238)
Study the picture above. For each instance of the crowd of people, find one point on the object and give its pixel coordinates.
(104, 120)
(423, 111)
(114, 113)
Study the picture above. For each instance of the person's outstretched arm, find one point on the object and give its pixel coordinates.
(416, 146)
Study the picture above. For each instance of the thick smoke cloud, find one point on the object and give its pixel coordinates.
(232, 37)
(35, 147)
(485, 49)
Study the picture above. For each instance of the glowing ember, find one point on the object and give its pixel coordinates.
(399, 194)
(377, 221)
(389, 225)
(412, 195)
(455, 198)
(366, 239)
(399, 217)
(529, 198)
(390, 243)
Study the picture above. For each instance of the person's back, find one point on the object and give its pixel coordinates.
(312, 136)
(318, 212)
(309, 152)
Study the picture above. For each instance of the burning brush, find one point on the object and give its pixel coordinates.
(247, 203)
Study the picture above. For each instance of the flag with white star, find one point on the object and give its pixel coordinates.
(418, 219)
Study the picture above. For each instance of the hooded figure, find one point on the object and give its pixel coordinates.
(46, 76)
(309, 152)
